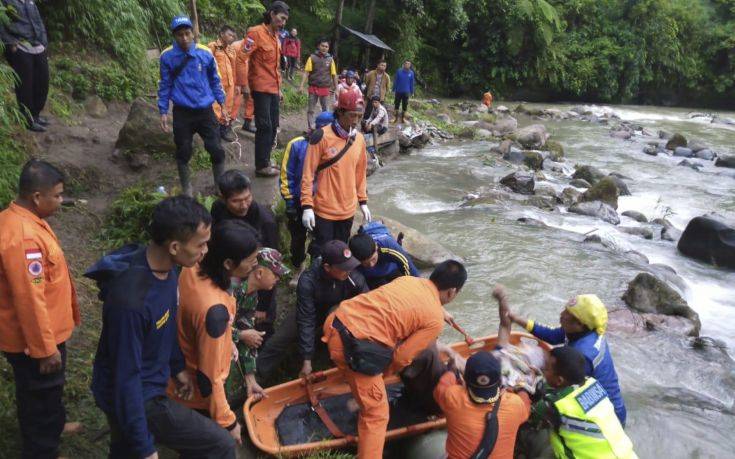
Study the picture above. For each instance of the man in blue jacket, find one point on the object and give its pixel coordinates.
(138, 350)
(290, 185)
(583, 324)
(381, 258)
(403, 87)
(189, 79)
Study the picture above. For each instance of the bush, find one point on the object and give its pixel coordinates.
(129, 217)
(293, 99)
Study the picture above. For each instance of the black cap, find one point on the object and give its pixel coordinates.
(482, 375)
(337, 254)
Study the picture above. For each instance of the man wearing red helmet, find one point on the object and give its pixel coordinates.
(337, 159)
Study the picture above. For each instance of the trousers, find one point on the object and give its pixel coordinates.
(266, 123)
(179, 428)
(38, 400)
(323, 102)
(31, 89)
(327, 230)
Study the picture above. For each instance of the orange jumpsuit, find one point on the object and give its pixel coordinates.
(487, 99)
(205, 338)
(343, 184)
(225, 57)
(38, 301)
(466, 419)
(406, 315)
(249, 107)
(258, 61)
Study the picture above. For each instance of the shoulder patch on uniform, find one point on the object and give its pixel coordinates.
(316, 136)
(205, 385)
(217, 320)
(591, 396)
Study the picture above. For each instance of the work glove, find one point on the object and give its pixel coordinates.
(308, 219)
(366, 212)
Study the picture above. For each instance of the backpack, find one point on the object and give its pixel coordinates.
(377, 230)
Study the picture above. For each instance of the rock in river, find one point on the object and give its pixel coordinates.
(533, 136)
(520, 182)
(645, 233)
(596, 209)
(648, 294)
(589, 173)
(705, 154)
(635, 215)
(580, 183)
(710, 241)
(606, 190)
(683, 152)
(725, 161)
(676, 140)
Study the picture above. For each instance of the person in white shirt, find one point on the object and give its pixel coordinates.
(378, 118)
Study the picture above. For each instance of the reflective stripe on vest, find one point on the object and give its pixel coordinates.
(589, 428)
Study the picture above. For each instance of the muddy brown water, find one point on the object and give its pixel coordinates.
(680, 400)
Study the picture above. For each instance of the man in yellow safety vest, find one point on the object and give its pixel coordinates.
(579, 412)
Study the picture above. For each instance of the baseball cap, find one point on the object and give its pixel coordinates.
(179, 22)
(337, 254)
(350, 74)
(589, 310)
(324, 119)
(482, 375)
(350, 101)
(273, 260)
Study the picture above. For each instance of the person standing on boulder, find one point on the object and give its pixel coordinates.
(224, 54)
(259, 78)
(38, 308)
(380, 333)
(190, 79)
(403, 87)
(583, 324)
(337, 159)
(25, 40)
(321, 73)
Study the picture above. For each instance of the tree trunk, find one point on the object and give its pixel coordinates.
(194, 17)
(337, 24)
(369, 30)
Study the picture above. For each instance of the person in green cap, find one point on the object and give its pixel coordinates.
(583, 322)
(247, 339)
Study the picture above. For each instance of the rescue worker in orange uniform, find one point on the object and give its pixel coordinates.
(224, 54)
(38, 307)
(337, 158)
(249, 111)
(380, 332)
(259, 77)
(206, 309)
(487, 99)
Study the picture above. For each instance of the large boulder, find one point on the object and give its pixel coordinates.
(645, 233)
(596, 209)
(683, 152)
(705, 154)
(676, 140)
(520, 182)
(648, 294)
(533, 159)
(589, 173)
(580, 183)
(555, 149)
(725, 161)
(95, 107)
(425, 251)
(620, 183)
(570, 196)
(606, 190)
(532, 137)
(141, 131)
(709, 240)
(503, 126)
(635, 215)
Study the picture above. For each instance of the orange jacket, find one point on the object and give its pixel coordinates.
(405, 314)
(225, 57)
(466, 419)
(342, 185)
(38, 301)
(258, 61)
(205, 339)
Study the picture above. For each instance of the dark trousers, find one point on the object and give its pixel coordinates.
(189, 121)
(327, 230)
(31, 89)
(38, 399)
(298, 236)
(177, 427)
(401, 99)
(291, 66)
(266, 124)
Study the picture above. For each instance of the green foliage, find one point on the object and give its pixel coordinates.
(12, 155)
(129, 217)
(293, 99)
(109, 80)
(239, 14)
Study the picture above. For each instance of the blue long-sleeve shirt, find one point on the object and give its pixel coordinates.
(292, 169)
(138, 349)
(403, 82)
(198, 84)
(393, 261)
(599, 362)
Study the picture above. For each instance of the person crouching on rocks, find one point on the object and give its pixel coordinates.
(583, 323)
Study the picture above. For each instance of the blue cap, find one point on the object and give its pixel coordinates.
(324, 119)
(482, 376)
(179, 22)
(350, 74)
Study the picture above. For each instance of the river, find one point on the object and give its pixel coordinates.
(680, 400)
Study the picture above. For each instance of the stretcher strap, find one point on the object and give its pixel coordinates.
(317, 407)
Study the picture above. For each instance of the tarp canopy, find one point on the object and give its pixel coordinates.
(370, 39)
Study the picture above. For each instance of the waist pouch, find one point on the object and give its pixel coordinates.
(363, 356)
